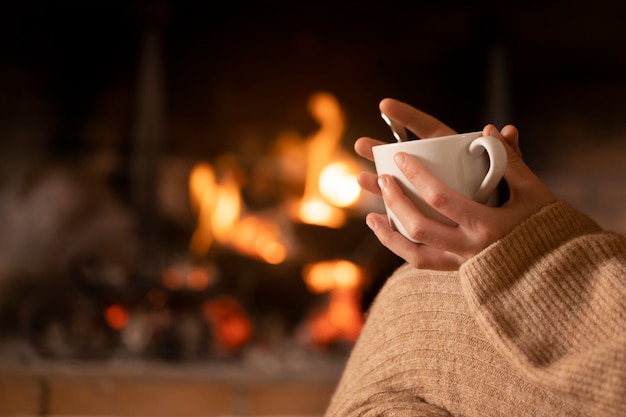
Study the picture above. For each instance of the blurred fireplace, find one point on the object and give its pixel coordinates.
(164, 237)
(195, 256)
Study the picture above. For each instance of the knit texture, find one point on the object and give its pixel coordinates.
(532, 326)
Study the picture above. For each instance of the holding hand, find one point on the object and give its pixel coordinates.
(442, 246)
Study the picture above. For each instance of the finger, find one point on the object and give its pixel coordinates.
(509, 142)
(435, 192)
(363, 147)
(416, 224)
(368, 181)
(418, 255)
(418, 122)
(511, 137)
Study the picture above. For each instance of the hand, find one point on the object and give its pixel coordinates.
(446, 247)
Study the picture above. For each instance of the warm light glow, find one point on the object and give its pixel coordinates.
(201, 184)
(321, 213)
(198, 279)
(173, 279)
(202, 191)
(325, 275)
(259, 237)
(116, 316)
(221, 219)
(321, 148)
(338, 184)
(342, 318)
(227, 209)
(231, 326)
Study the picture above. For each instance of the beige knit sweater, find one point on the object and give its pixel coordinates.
(535, 325)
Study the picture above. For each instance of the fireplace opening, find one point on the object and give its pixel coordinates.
(266, 250)
(140, 243)
(177, 184)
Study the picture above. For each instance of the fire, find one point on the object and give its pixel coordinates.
(220, 217)
(342, 318)
(323, 276)
(202, 190)
(338, 184)
(194, 278)
(116, 316)
(329, 184)
(330, 187)
(231, 326)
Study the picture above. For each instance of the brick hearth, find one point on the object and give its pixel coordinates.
(157, 389)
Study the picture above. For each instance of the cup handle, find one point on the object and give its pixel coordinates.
(497, 164)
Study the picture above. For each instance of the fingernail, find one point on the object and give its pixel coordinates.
(370, 222)
(399, 158)
(382, 182)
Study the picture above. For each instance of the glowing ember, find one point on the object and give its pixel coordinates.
(231, 326)
(198, 279)
(342, 318)
(116, 316)
(323, 276)
(194, 278)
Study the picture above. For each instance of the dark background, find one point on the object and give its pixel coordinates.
(255, 63)
(556, 69)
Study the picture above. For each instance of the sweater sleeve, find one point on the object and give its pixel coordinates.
(551, 298)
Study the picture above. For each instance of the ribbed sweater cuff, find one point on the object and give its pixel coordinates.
(532, 240)
(527, 290)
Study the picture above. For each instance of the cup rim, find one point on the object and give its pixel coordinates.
(477, 133)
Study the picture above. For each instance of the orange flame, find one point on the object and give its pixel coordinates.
(219, 206)
(319, 203)
(116, 316)
(342, 318)
(231, 326)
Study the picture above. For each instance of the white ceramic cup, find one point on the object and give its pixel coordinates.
(469, 163)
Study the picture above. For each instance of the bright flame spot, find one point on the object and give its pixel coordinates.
(321, 213)
(342, 318)
(220, 218)
(231, 326)
(273, 253)
(338, 184)
(202, 193)
(324, 276)
(201, 184)
(259, 237)
(320, 148)
(116, 316)
(227, 209)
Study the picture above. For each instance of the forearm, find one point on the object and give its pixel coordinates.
(421, 353)
(550, 295)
